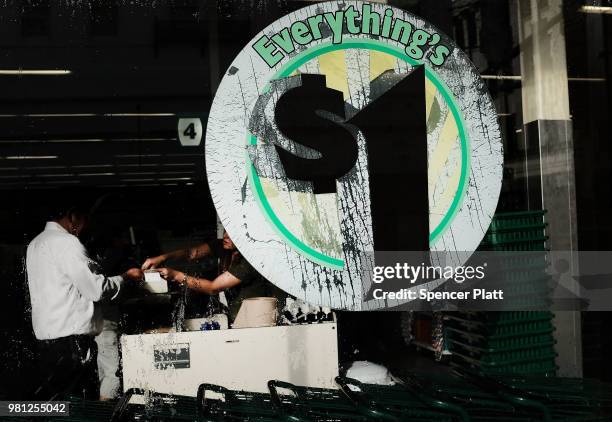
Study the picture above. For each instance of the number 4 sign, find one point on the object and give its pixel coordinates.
(190, 131)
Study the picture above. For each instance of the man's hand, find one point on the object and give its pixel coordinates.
(170, 274)
(133, 274)
(152, 263)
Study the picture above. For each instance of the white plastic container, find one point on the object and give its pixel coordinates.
(154, 283)
(256, 312)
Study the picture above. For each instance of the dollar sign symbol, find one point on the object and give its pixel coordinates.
(297, 117)
(395, 130)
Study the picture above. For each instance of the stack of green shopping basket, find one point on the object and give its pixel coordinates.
(517, 341)
(516, 243)
(513, 342)
(516, 231)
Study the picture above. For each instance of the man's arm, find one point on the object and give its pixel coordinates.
(189, 254)
(224, 281)
(76, 264)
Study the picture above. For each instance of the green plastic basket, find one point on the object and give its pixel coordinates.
(535, 244)
(488, 328)
(509, 342)
(503, 356)
(516, 220)
(515, 234)
(544, 366)
(536, 277)
(517, 262)
(501, 318)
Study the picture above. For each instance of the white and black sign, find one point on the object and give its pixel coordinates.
(190, 131)
(171, 356)
(346, 128)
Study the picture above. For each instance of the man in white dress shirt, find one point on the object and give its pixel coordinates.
(63, 288)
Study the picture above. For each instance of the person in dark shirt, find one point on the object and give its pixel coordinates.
(237, 278)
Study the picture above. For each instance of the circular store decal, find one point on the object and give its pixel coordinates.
(346, 128)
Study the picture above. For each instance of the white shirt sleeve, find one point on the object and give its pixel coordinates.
(79, 268)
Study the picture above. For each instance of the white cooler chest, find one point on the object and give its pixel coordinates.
(238, 359)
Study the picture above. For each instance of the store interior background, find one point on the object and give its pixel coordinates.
(105, 127)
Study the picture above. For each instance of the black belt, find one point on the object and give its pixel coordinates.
(75, 337)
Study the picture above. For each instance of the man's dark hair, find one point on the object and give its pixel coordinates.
(76, 211)
(69, 204)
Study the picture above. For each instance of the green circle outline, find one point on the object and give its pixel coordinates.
(375, 45)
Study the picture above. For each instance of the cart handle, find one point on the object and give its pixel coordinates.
(502, 389)
(274, 384)
(203, 403)
(367, 407)
(278, 404)
(344, 383)
(418, 389)
(123, 403)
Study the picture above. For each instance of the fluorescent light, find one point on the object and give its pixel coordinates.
(60, 115)
(73, 140)
(137, 165)
(183, 155)
(15, 176)
(157, 165)
(596, 9)
(173, 179)
(321, 1)
(518, 78)
(96, 174)
(46, 167)
(88, 114)
(502, 77)
(49, 115)
(53, 141)
(35, 72)
(31, 157)
(137, 155)
(587, 79)
(89, 166)
(143, 139)
(138, 114)
(139, 173)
